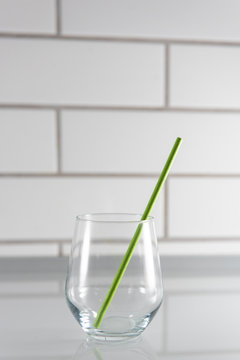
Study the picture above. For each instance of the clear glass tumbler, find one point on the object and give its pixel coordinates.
(99, 244)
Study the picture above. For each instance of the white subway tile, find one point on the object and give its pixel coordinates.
(207, 207)
(128, 142)
(28, 250)
(185, 19)
(202, 323)
(204, 76)
(27, 16)
(27, 141)
(113, 142)
(38, 208)
(81, 72)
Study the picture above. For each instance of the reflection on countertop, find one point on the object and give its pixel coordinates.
(133, 349)
(199, 318)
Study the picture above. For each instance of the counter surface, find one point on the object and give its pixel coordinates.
(198, 320)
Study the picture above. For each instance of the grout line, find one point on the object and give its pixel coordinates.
(82, 107)
(201, 110)
(125, 39)
(167, 75)
(78, 175)
(166, 217)
(58, 142)
(57, 242)
(117, 175)
(117, 108)
(34, 242)
(12, 242)
(58, 6)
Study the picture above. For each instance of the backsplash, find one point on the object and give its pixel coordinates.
(92, 97)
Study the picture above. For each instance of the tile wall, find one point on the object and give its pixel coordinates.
(92, 96)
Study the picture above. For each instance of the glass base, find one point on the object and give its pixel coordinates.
(112, 328)
(116, 328)
(112, 338)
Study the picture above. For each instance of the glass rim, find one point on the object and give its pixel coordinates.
(88, 217)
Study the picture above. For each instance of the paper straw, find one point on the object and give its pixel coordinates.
(137, 234)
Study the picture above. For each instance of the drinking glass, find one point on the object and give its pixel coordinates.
(99, 244)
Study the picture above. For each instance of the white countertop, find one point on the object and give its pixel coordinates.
(199, 318)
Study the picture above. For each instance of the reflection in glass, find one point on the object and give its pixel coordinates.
(134, 349)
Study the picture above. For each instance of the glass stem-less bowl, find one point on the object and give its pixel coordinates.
(99, 244)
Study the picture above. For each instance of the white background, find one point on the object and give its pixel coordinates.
(93, 94)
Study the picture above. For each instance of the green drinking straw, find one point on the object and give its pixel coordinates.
(136, 236)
